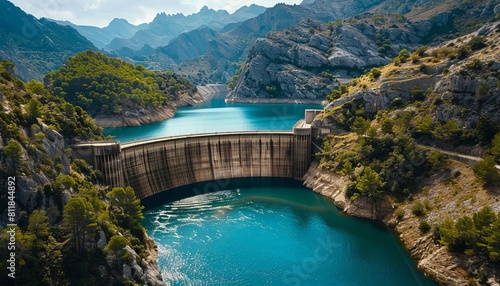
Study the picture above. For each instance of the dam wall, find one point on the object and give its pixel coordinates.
(104, 156)
(209, 90)
(154, 166)
(157, 165)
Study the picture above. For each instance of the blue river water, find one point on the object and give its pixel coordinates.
(216, 115)
(261, 231)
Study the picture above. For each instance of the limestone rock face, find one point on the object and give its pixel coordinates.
(308, 60)
(463, 87)
(147, 272)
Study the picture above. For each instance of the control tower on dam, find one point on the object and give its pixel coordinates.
(157, 165)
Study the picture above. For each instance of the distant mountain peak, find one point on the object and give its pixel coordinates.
(118, 21)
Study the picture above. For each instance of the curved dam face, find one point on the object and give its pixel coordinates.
(157, 165)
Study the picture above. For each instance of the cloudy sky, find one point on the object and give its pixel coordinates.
(101, 12)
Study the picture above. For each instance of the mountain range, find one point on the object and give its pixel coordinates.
(100, 37)
(41, 45)
(36, 46)
(208, 57)
(165, 27)
(209, 46)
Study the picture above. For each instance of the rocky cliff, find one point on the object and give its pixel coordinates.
(456, 81)
(445, 95)
(311, 58)
(305, 61)
(334, 186)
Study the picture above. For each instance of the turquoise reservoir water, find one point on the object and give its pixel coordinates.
(270, 232)
(217, 116)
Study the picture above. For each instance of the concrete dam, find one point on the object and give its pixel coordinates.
(157, 165)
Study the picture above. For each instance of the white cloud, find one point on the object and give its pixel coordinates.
(101, 12)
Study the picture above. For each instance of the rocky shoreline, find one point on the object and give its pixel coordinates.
(273, 100)
(157, 114)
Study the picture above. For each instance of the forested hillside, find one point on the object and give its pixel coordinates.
(70, 230)
(106, 86)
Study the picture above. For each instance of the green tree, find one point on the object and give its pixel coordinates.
(421, 51)
(36, 87)
(7, 69)
(369, 183)
(423, 125)
(447, 131)
(116, 246)
(493, 241)
(347, 169)
(477, 43)
(467, 233)
(80, 220)
(52, 261)
(14, 152)
(34, 110)
(387, 125)
(334, 94)
(360, 125)
(417, 93)
(484, 218)
(372, 132)
(38, 224)
(343, 88)
(39, 228)
(486, 171)
(126, 200)
(403, 55)
(376, 72)
(494, 150)
(424, 226)
(448, 233)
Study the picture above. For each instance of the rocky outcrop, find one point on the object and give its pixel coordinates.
(311, 58)
(147, 269)
(305, 61)
(461, 90)
(334, 186)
